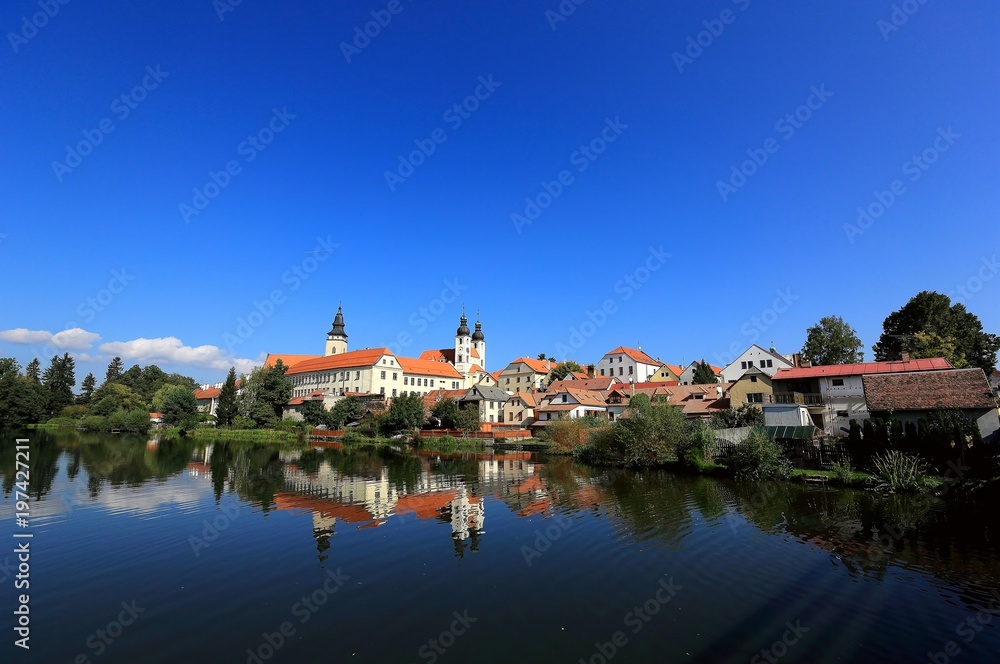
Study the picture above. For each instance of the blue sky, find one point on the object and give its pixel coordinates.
(171, 168)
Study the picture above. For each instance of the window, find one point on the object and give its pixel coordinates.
(564, 398)
(381, 390)
(762, 364)
(838, 382)
(755, 397)
(602, 372)
(743, 365)
(491, 418)
(383, 375)
(406, 381)
(519, 416)
(630, 367)
(510, 417)
(753, 379)
(843, 413)
(394, 391)
(769, 363)
(357, 375)
(619, 371)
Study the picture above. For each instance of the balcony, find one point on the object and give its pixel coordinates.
(803, 398)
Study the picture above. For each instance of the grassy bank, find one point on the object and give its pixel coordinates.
(238, 435)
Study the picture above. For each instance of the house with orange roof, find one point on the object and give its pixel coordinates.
(602, 384)
(686, 376)
(667, 373)
(422, 376)
(520, 409)
(695, 401)
(628, 365)
(525, 373)
(208, 399)
(570, 403)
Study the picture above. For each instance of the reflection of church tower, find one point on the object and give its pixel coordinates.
(463, 345)
(479, 342)
(336, 338)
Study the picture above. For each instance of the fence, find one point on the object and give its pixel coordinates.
(726, 440)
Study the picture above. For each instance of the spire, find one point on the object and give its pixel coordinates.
(338, 324)
(463, 327)
(478, 334)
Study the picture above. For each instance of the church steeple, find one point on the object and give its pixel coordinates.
(463, 325)
(479, 343)
(336, 338)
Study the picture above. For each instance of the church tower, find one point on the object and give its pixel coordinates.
(463, 345)
(336, 338)
(479, 342)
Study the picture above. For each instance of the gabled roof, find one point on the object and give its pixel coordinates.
(716, 370)
(428, 368)
(928, 390)
(781, 358)
(487, 392)
(210, 393)
(627, 387)
(354, 358)
(288, 359)
(538, 366)
(599, 383)
(439, 355)
(635, 354)
(674, 369)
(862, 368)
(527, 398)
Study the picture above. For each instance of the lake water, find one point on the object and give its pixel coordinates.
(145, 551)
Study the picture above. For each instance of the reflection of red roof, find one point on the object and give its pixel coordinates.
(328, 508)
(425, 505)
(537, 507)
(863, 368)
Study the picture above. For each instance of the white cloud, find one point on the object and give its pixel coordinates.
(73, 339)
(171, 349)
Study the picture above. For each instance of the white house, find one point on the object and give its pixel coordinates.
(628, 365)
(687, 376)
(767, 361)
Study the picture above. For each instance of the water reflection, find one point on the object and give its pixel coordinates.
(365, 488)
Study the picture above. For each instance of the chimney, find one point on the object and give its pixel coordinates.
(806, 363)
(904, 356)
(796, 360)
(591, 372)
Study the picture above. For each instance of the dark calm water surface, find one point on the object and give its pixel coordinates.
(183, 552)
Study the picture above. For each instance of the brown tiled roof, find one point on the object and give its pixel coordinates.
(928, 390)
(210, 393)
(597, 383)
(635, 354)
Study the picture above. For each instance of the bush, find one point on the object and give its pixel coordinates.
(62, 422)
(240, 422)
(760, 458)
(898, 471)
(94, 423)
(567, 435)
(136, 420)
(696, 449)
(843, 471)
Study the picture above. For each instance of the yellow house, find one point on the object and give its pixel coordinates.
(754, 386)
(666, 374)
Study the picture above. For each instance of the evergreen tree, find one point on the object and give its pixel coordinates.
(114, 372)
(58, 380)
(227, 410)
(33, 371)
(89, 382)
(704, 374)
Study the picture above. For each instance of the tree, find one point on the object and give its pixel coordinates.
(704, 374)
(114, 372)
(562, 370)
(468, 418)
(832, 341)
(33, 371)
(314, 413)
(21, 401)
(933, 313)
(446, 410)
(88, 388)
(929, 344)
(746, 415)
(58, 380)
(112, 397)
(406, 412)
(227, 410)
(346, 411)
(265, 392)
(178, 406)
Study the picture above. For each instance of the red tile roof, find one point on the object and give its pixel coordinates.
(439, 355)
(635, 354)
(538, 366)
(862, 368)
(955, 388)
(599, 383)
(210, 393)
(675, 369)
(626, 387)
(287, 359)
(353, 358)
(527, 398)
(428, 368)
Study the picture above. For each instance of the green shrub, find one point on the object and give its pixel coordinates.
(897, 471)
(62, 422)
(136, 420)
(760, 458)
(94, 423)
(843, 471)
(696, 449)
